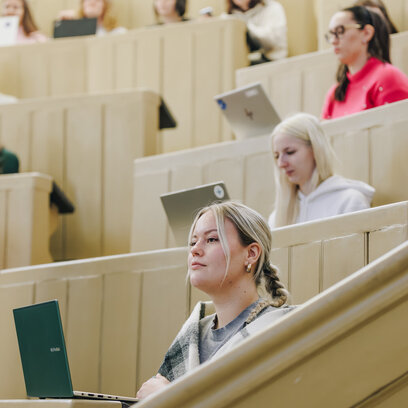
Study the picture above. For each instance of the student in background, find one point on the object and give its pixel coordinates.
(170, 11)
(8, 161)
(28, 31)
(230, 247)
(306, 188)
(266, 25)
(377, 6)
(365, 77)
(100, 9)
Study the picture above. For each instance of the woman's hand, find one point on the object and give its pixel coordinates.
(151, 386)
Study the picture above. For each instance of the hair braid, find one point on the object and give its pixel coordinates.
(274, 286)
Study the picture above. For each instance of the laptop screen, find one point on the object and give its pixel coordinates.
(42, 350)
(74, 28)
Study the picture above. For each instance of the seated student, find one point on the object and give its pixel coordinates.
(229, 254)
(266, 24)
(377, 6)
(99, 9)
(306, 188)
(27, 31)
(8, 161)
(170, 11)
(365, 77)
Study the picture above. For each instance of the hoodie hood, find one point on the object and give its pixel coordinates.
(337, 184)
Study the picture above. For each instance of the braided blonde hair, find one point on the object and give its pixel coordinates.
(251, 227)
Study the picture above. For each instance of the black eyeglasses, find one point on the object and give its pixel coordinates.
(339, 31)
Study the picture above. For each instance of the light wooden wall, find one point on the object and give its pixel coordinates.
(87, 144)
(343, 348)
(324, 9)
(24, 219)
(301, 83)
(114, 307)
(187, 64)
(315, 255)
(371, 146)
(119, 314)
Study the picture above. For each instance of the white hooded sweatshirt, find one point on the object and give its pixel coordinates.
(334, 196)
(266, 23)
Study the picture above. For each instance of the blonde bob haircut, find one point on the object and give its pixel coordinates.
(251, 227)
(307, 128)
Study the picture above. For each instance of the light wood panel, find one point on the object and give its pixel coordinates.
(172, 60)
(87, 144)
(24, 219)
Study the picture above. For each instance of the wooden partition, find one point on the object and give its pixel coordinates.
(187, 64)
(324, 10)
(87, 144)
(24, 219)
(119, 314)
(371, 146)
(315, 255)
(343, 348)
(301, 83)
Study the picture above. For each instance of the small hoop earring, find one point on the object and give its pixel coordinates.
(249, 268)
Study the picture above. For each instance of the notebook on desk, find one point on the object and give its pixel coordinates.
(249, 111)
(75, 28)
(8, 30)
(182, 206)
(44, 357)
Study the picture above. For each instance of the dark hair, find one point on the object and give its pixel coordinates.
(380, 6)
(27, 22)
(231, 6)
(180, 7)
(378, 47)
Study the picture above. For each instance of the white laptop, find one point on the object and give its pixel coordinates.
(8, 30)
(249, 111)
(182, 206)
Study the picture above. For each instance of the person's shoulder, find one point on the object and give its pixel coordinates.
(389, 73)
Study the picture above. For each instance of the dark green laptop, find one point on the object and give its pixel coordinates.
(44, 356)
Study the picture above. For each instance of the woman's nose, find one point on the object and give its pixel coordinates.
(282, 162)
(196, 248)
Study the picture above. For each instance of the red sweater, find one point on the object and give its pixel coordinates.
(376, 84)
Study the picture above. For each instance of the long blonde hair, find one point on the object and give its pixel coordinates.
(305, 127)
(251, 227)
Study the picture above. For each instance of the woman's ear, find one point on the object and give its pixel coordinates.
(368, 33)
(253, 253)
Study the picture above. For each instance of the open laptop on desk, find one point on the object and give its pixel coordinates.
(182, 206)
(8, 30)
(75, 28)
(44, 356)
(249, 111)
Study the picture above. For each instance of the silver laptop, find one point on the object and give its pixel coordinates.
(8, 30)
(249, 111)
(182, 206)
(44, 356)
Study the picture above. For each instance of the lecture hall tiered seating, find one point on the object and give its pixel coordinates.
(88, 118)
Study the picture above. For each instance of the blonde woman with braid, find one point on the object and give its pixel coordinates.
(306, 187)
(229, 254)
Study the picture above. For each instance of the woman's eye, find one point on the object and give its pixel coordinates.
(192, 243)
(212, 239)
(291, 152)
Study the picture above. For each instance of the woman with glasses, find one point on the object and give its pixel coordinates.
(365, 78)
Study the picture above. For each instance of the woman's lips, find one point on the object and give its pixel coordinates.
(196, 265)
